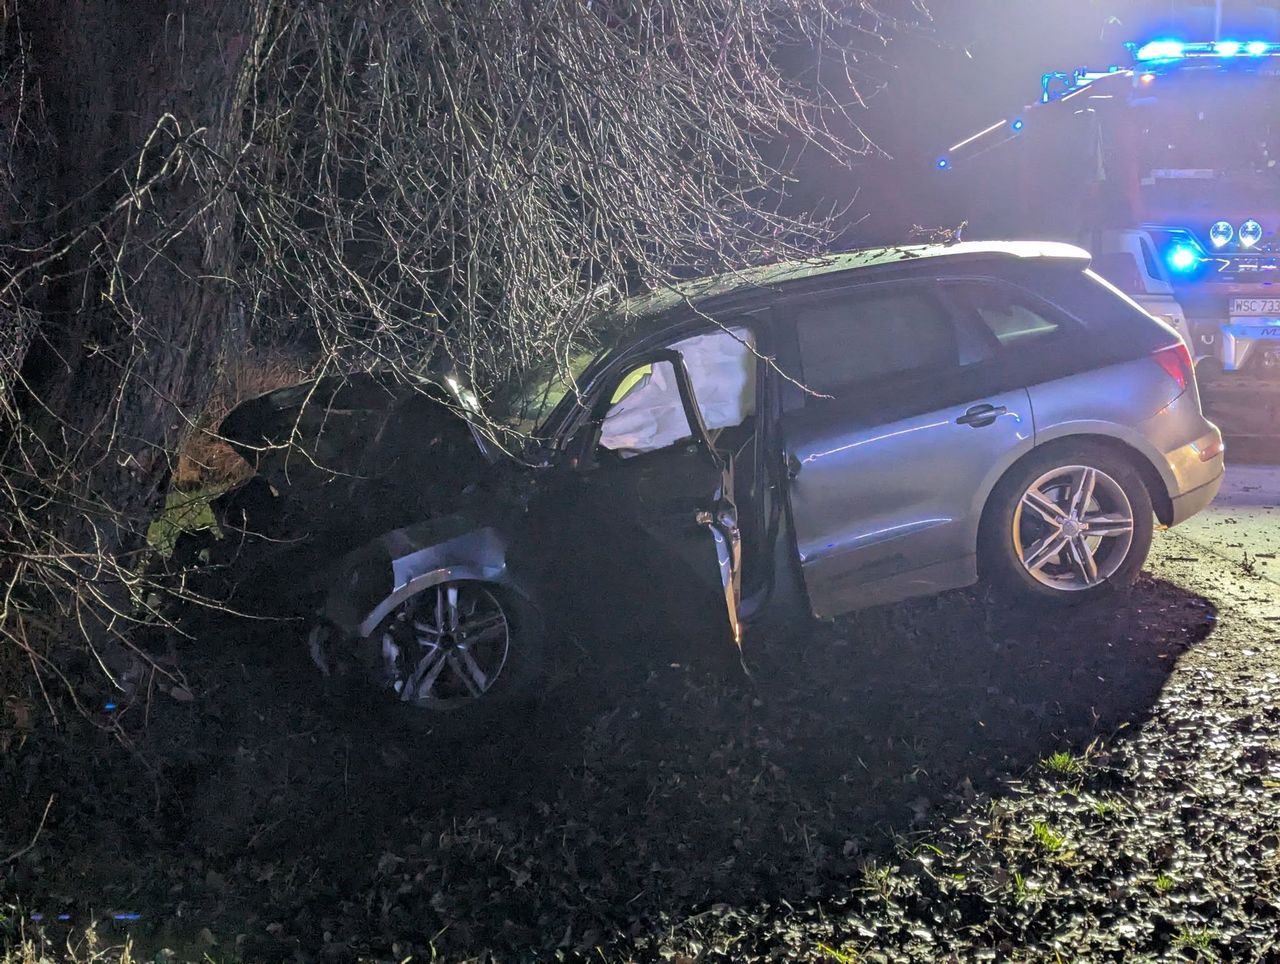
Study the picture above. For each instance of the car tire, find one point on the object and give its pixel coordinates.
(1032, 547)
(376, 669)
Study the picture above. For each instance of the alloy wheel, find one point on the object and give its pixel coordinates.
(447, 646)
(1073, 528)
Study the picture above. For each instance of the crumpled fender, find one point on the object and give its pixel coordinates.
(374, 579)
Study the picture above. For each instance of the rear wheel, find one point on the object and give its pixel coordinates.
(1068, 525)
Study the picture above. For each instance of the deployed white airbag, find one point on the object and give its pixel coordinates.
(649, 416)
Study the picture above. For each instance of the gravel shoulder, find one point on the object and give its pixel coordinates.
(1243, 524)
(935, 779)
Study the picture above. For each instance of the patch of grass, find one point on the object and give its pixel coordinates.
(1064, 763)
(844, 957)
(877, 879)
(1194, 939)
(88, 948)
(1104, 808)
(1019, 888)
(1048, 838)
(1164, 883)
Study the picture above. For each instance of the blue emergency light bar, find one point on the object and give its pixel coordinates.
(1164, 51)
(1150, 60)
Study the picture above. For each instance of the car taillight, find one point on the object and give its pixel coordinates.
(1176, 360)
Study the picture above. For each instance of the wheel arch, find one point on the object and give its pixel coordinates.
(398, 565)
(1142, 464)
(435, 577)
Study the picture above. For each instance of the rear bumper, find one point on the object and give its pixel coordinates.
(1192, 450)
(1190, 503)
(1197, 479)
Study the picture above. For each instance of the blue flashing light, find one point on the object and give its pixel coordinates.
(944, 164)
(109, 707)
(1018, 125)
(1250, 233)
(1169, 52)
(1162, 50)
(1184, 259)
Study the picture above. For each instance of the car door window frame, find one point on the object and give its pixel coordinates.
(798, 394)
(580, 432)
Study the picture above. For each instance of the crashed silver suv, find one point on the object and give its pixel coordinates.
(835, 434)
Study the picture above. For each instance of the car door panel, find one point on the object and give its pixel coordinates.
(908, 413)
(879, 492)
(679, 497)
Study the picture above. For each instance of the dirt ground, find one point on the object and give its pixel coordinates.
(932, 780)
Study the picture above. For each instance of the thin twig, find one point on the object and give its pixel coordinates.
(28, 848)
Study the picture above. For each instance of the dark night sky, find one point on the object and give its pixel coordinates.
(978, 62)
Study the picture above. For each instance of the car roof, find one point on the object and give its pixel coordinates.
(693, 293)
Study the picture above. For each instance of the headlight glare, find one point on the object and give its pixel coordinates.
(1221, 234)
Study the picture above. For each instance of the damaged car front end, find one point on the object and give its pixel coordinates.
(333, 461)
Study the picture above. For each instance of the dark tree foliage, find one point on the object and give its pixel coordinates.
(378, 183)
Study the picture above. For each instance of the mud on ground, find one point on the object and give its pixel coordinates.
(940, 778)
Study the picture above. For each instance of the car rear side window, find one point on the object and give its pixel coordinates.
(1014, 318)
(1115, 326)
(866, 336)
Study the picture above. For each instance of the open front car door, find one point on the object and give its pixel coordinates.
(649, 460)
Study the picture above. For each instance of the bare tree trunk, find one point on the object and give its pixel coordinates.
(134, 295)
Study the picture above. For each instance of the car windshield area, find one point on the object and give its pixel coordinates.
(525, 404)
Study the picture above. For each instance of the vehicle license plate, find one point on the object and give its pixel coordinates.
(1255, 306)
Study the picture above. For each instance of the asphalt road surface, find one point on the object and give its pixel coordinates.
(1243, 524)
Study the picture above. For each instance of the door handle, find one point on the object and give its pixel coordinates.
(980, 416)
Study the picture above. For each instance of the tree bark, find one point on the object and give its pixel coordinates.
(132, 285)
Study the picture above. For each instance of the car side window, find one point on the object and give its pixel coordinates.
(645, 411)
(1011, 316)
(867, 336)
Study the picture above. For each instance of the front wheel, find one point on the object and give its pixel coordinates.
(1068, 525)
(461, 648)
